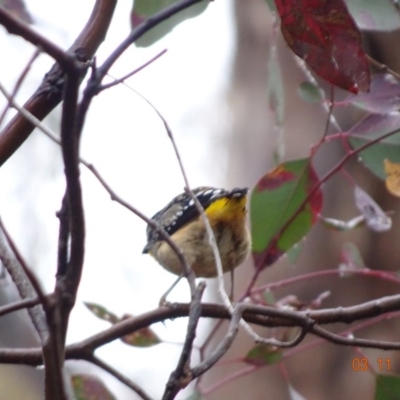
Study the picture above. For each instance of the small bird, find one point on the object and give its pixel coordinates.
(226, 212)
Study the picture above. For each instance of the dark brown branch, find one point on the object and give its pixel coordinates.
(63, 237)
(259, 315)
(67, 285)
(49, 93)
(262, 316)
(53, 354)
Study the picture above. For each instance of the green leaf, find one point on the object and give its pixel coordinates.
(387, 387)
(310, 92)
(144, 337)
(89, 387)
(102, 313)
(371, 127)
(143, 9)
(375, 15)
(263, 354)
(277, 223)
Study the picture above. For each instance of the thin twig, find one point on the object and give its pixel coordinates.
(54, 381)
(51, 135)
(382, 67)
(387, 276)
(188, 271)
(124, 78)
(122, 378)
(16, 26)
(19, 83)
(222, 348)
(19, 305)
(49, 93)
(163, 233)
(24, 287)
(310, 78)
(30, 275)
(140, 30)
(352, 341)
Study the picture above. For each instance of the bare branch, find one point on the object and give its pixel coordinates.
(20, 28)
(52, 352)
(63, 234)
(122, 378)
(182, 375)
(383, 67)
(48, 95)
(18, 84)
(63, 237)
(24, 286)
(19, 305)
(67, 285)
(262, 316)
(140, 30)
(135, 211)
(352, 341)
(124, 78)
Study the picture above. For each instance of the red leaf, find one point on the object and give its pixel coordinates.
(275, 179)
(325, 36)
